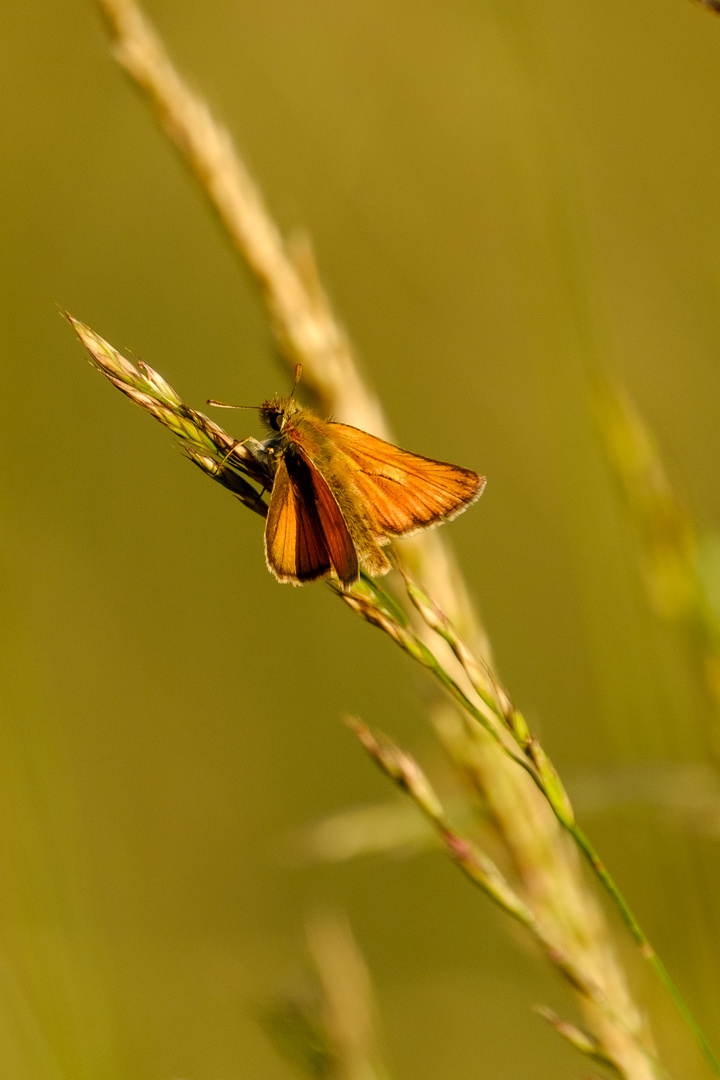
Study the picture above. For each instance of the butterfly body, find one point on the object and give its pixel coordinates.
(339, 495)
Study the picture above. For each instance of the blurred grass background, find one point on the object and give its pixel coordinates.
(504, 199)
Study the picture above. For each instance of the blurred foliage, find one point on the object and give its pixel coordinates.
(505, 200)
(681, 563)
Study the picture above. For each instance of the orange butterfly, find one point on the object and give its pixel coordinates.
(339, 494)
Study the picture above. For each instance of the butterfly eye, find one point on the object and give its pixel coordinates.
(274, 421)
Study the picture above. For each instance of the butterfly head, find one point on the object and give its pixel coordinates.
(275, 412)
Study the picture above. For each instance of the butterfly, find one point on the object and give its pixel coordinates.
(339, 495)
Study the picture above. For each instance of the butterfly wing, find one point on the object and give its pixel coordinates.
(338, 541)
(305, 535)
(404, 492)
(295, 548)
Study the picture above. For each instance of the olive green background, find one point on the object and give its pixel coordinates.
(505, 197)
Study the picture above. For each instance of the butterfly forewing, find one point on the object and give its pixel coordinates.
(305, 534)
(402, 491)
(295, 548)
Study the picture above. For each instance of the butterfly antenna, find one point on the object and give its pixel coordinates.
(224, 405)
(298, 373)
